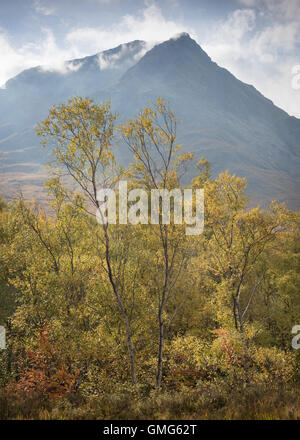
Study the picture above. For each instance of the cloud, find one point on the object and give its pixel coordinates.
(177, 36)
(239, 23)
(112, 61)
(280, 9)
(42, 9)
(62, 67)
(44, 53)
(53, 59)
(258, 44)
(228, 39)
(10, 60)
(148, 25)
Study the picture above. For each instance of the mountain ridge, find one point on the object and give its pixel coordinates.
(228, 121)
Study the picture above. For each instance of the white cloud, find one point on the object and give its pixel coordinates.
(45, 53)
(41, 8)
(62, 67)
(177, 36)
(150, 25)
(281, 9)
(112, 61)
(228, 39)
(10, 60)
(53, 59)
(259, 46)
(239, 23)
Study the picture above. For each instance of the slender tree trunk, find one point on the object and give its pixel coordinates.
(122, 308)
(235, 313)
(130, 349)
(160, 350)
(117, 295)
(240, 320)
(162, 304)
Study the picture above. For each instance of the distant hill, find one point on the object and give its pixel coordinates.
(224, 119)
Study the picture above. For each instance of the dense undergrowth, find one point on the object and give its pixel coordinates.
(143, 321)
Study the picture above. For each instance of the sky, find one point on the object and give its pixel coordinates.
(256, 40)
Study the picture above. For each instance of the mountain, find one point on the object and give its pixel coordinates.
(224, 119)
(27, 98)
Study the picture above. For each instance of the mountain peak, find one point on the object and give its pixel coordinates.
(181, 35)
(184, 42)
(179, 56)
